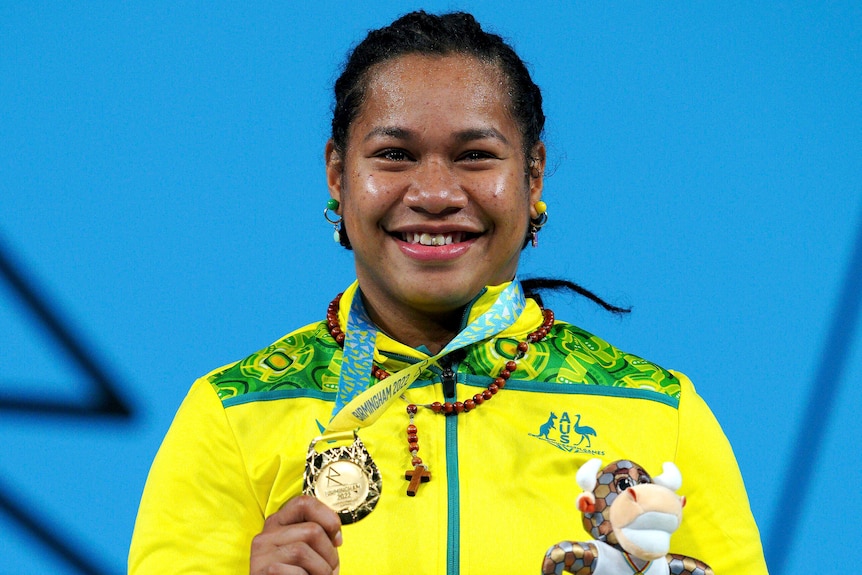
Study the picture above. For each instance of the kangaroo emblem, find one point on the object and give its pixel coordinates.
(547, 426)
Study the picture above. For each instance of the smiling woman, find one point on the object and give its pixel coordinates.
(433, 157)
(437, 366)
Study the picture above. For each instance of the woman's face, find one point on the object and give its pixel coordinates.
(433, 184)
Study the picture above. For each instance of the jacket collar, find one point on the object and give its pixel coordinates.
(387, 347)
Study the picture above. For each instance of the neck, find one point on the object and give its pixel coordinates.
(414, 327)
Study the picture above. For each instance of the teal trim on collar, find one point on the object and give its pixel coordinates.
(276, 394)
(575, 389)
(473, 381)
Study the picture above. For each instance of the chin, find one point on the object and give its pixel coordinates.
(432, 298)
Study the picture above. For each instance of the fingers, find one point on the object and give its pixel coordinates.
(304, 508)
(300, 538)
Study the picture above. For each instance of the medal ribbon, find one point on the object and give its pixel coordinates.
(356, 406)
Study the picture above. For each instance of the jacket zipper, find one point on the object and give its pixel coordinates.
(449, 366)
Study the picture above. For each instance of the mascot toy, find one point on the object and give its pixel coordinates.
(631, 516)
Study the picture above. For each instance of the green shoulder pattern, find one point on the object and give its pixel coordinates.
(306, 359)
(310, 359)
(570, 355)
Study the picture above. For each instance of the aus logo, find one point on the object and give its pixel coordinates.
(569, 435)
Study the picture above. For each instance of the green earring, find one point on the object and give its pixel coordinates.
(332, 204)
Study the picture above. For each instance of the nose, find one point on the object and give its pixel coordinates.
(436, 190)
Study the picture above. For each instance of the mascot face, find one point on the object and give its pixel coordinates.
(631, 511)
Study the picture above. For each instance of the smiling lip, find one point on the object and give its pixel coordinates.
(428, 246)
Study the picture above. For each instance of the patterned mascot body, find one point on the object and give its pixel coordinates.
(631, 516)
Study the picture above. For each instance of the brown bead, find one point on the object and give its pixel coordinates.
(416, 461)
(412, 409)
(501, 384)
(478, 398)
(412, 438)
(493, 388)
(511, 366)
(523, 346)
(504, 374)
(411, 428)
(458, 407)
(469, 405)
(447, 408)
(436, 407)
(487, 394)
(339, 338)
(413, 446)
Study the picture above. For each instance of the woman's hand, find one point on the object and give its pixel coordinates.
(300, 538)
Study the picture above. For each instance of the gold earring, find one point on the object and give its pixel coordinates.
(537, 223)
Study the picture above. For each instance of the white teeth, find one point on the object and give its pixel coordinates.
(427, 239)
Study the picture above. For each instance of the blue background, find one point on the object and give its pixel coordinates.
(162, 184)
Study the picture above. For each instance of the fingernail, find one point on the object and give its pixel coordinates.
(338, 540)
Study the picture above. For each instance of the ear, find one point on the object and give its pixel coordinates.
(536, 174)
(586, 502)
(334, 170)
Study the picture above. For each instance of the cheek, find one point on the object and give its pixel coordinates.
(368, 198)
(370, 185)
(509, 193)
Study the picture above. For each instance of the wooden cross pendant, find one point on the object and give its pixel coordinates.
(417, 475)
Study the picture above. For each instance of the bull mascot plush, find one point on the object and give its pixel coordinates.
(631, 517)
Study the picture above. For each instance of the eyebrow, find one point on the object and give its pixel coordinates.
(390, 132)
(481, 134)
(463, 136)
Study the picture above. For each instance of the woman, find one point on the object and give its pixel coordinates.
(435, 172)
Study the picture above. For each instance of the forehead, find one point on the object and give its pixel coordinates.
(423, 91)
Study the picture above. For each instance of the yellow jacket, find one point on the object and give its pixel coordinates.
(503, 476)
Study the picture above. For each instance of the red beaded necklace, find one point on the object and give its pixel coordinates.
(419, 473)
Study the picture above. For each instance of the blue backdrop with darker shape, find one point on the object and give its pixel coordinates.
(161, 197)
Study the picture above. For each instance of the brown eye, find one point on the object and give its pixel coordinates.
(476, 155)
(394, 155)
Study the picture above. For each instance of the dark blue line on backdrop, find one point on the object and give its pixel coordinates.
(41, 531)
(824, 389)
(107, 403)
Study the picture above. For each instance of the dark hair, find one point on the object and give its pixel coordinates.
(431, 34)
(534, 287)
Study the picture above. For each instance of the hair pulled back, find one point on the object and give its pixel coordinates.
(430, 34)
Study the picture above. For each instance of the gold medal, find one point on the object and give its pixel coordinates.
(344, 478)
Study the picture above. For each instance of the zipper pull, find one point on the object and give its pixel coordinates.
(448, 377)
(448, 364)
